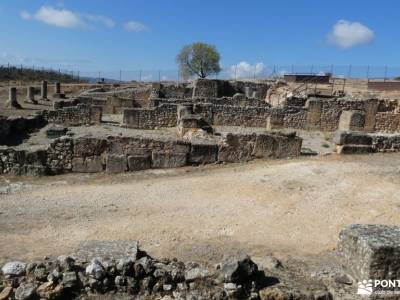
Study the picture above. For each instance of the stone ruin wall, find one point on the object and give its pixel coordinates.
(117, 154)
(80, 114)
(387, 122)
(322, 115)
(229, 101)
(109, 105)
(164, 115)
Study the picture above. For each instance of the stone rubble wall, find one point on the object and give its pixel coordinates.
(164, 115)
(23, 162)
(116, 154)
(359, 142)
(229, 101)
(318, 114)
(109, 105)
(74, 115)
(132, 275)
(220, 88)
(387, 122)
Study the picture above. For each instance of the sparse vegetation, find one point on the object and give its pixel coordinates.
(8, 73)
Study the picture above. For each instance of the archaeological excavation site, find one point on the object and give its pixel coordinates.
(280, 188)
(199, 150)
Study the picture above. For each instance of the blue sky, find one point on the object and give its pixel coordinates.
(147, 34)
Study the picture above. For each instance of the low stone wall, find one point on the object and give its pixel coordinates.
(223, 88)
(164, 115)
(117, 154)
(318, 114)
(360, 143)
(239, 100)
(74, 115)
(387, 122)
(241, 147)
(109, 105)
(23, 162)
(120, 270)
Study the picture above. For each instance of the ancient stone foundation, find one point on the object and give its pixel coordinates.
(116, 154)
(361, 143)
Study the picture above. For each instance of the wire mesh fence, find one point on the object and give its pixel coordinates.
(236, 72)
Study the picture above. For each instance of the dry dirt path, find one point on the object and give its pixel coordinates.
(288, 208)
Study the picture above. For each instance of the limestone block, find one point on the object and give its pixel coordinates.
(84, 147)
(352, 120)
(275, 121)
(87, 165)
(205, 88)
(355, 138)
(168, 159)
(203, 153)
(370, 251)
(314, 109)
(236, 148)
(116, 163)
(354, 149)
(139, 162)
(277, 145)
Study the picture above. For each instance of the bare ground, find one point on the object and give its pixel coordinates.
(287, 208)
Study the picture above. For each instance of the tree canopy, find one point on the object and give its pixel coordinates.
(198, 59)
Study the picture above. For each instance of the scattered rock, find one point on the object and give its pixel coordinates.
(125, 266)
(25, 291)
(95, 269)
(49, 290)
(69, 279)
(5, 293)
(238, 269)
(66, 263)
(14, 268)
(195, 272)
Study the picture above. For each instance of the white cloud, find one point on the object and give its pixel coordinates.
(25, 15)
(59, 17)
(108, 22)
(133, 26)
(346, 34)
(64, 18)
(243, 69)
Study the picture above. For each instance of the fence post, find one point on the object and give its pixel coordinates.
(367, 73)
(140, 75)
(312, 69)
(385, 74)
(349, 73)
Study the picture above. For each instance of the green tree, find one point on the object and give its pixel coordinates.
(198, 59)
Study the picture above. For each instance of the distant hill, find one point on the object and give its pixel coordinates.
(26, 74)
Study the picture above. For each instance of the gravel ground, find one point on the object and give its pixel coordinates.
(290, 208)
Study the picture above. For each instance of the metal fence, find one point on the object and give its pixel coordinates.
(257, 71)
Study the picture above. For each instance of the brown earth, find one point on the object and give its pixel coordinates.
(290, 208)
